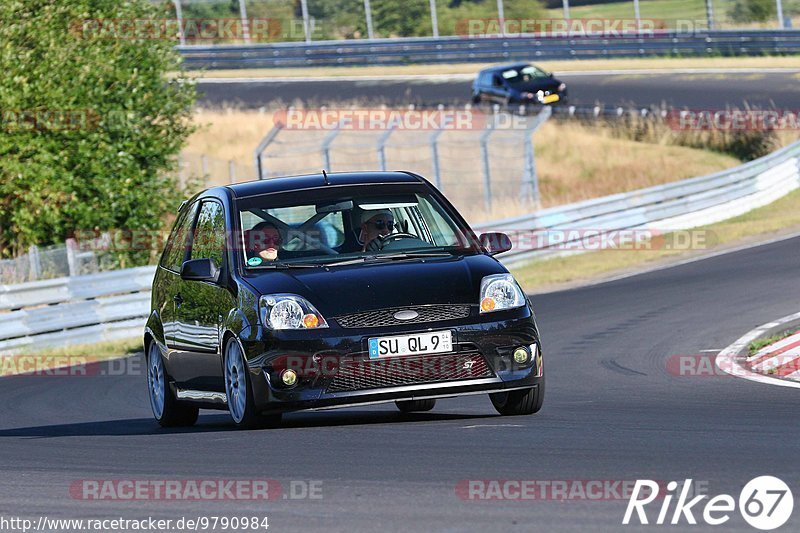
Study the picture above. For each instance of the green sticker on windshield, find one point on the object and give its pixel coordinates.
(254, 261)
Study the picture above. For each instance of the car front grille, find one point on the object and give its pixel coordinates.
(385, 317)
(410, 370)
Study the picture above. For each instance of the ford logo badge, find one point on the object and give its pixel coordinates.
(406, 315)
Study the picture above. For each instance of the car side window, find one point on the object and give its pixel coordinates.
(208, 241)
(175, 250)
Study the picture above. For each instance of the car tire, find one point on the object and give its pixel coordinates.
(519, 402)
(239, 391)
(415, 406)
(167, 410)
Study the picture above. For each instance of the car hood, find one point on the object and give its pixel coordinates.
(363, 287)
(544, 84)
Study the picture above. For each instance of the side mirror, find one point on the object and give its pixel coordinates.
(200, 270)
(495, 242)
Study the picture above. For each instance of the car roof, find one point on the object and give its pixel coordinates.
(498, 68)
(311, 181)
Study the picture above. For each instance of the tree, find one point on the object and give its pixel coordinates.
(91, 124)
(752, 10)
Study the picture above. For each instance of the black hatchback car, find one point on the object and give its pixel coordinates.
(518, 83)
(334, 290)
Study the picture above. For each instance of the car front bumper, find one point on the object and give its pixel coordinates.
(334, 368)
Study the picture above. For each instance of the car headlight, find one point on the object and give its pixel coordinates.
(289, 311)
(562, 87)
(500, 292)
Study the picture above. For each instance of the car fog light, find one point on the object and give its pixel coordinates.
(520, 355)
(488, 304)
(289, 377)
(310, 321)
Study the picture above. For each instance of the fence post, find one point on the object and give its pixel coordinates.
(779, 9)
(204, 169)
(181, 176)
(266, 141)
(306, 22)
(179, 16)
(382, 140)
(437, 171)
(368, 15)
(530, 181)
(72, 262)
(35, 261)
(231, 171)
(326, 147)
(487, 176)
(245, 23)
(434, 20)
(710, 14)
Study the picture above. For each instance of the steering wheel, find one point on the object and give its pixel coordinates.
(380, 241)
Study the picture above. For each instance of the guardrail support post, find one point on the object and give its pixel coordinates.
(487, 175)
(265, 142)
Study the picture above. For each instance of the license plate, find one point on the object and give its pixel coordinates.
(549, 99)
(418, 343)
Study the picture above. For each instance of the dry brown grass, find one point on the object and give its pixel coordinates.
(554, 66)
(574, 161)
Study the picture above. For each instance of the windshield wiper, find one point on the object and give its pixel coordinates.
(387, 257)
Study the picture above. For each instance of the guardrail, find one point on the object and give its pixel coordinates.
(111, 305)
(490, 49)
(81, 309)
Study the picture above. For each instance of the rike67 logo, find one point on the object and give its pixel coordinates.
(765, 503)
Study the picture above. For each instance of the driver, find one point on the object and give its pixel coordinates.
(374, 224)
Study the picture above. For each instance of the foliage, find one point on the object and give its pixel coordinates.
(90, 127)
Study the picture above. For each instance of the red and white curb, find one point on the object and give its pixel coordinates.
(776, 364)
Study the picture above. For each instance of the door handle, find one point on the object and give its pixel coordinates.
(178, 299)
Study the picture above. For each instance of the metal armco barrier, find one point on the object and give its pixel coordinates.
(663, 208)
(110, 305)
(490, 49)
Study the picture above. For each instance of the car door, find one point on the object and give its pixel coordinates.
(167, 283)
(202, 305)
(498, 90)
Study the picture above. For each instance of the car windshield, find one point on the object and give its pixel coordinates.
(523, 75)
(302, 229)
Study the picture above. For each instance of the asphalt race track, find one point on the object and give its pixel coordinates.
(696, 91)
(612, 412)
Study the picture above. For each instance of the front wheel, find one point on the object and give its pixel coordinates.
(167, 410)
(519, 402)
(239, 393)
(411, 406)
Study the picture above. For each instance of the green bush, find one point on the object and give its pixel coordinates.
(752, 10)
(91, 126)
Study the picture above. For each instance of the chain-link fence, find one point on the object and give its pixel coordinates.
(49, 262)
(488, 172)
